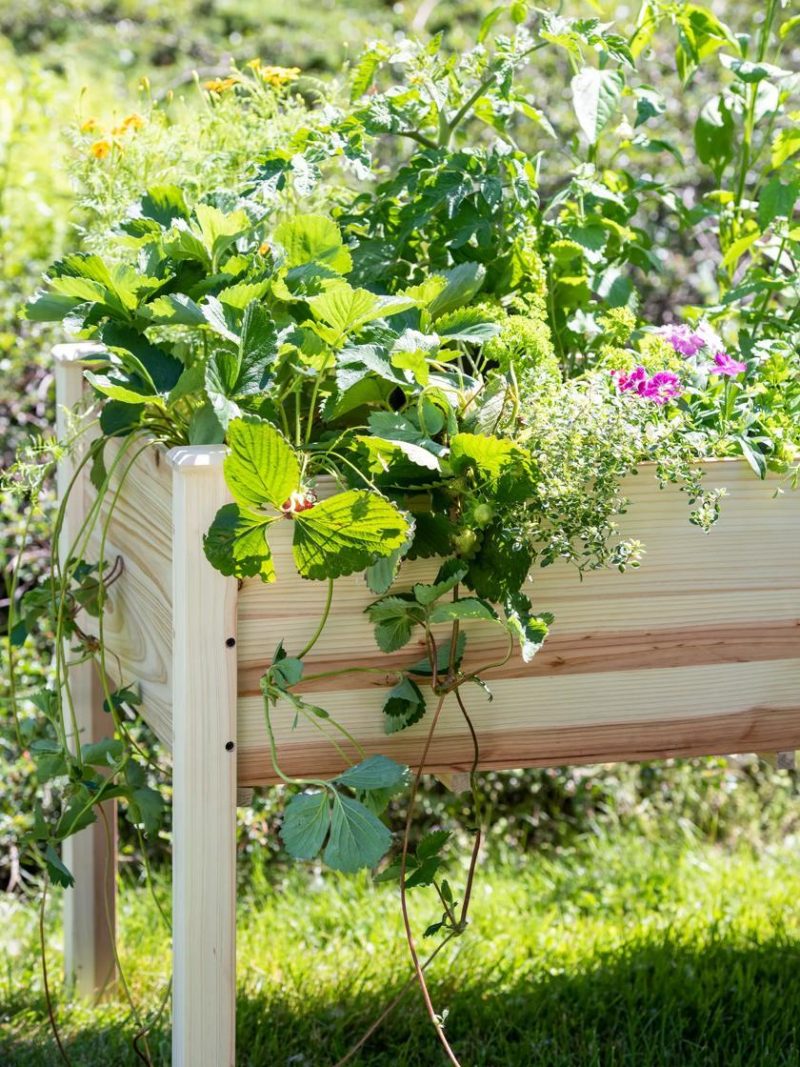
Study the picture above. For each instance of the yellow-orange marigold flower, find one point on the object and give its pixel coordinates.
(133, 122)
(89, 126)
(219, 85)
(263, 248)
(278, 76)
(100, 149)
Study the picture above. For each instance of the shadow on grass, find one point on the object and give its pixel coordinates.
(655, 1004)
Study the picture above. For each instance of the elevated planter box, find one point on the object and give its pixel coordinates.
(697, 652)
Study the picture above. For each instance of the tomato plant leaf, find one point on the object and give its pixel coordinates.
(595, 95)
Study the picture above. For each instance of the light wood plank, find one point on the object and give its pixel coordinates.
(715, 614)
(138, 615)
(91, 855)
(204, 774)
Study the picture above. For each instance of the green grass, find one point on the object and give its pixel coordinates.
(619, 952)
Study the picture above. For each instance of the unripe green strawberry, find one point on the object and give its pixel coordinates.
(467, 542)
(482, 514)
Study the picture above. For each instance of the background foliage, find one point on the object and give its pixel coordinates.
(86, 64)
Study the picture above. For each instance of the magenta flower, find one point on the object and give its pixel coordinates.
(661, 387)
(633, 382)
(685, 340)
(725, 364)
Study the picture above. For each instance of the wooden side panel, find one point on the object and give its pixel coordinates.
(698, 651)
(138, 618)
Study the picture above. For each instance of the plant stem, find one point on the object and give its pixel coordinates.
(45, 982)
(393, 1003)
(316, 635)
(403, 900)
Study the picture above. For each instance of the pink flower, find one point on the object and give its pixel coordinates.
(685, 340)
(635, 381)
(661, 387)
(725, 364)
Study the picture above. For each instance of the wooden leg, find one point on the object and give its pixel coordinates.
(204, 778)
(90, 906)
(91, 856)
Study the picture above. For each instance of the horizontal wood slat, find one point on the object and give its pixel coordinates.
(583, 654)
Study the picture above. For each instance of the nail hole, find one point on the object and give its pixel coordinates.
(229, 746)
(230, 642)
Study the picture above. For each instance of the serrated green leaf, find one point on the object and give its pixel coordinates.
(242, 294)
(306, 822)
(715, 134)
(143, 359)
(341, 309)
(145, 808)
(777, 198)
(347, 533)
(424, 874)
(262, 466)
(220, 318)
(432, 844)
(59, 874)
(465, 608)
(785, 144)
(450, 574)
(357, 837)
(461, 285)
(404, 706)
(218, 229)
(466, 324)
(174, 309)
(393, 618)
(236, 544)
(102, 753)
(530, 630)
(375, 772)
(163, 204)
(482, 453)
(501, 566)
(381, 575)
(313, 239)
(595, 95)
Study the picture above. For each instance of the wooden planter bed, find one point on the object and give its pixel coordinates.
(697, 652)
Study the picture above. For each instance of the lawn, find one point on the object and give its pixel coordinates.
(619, 951)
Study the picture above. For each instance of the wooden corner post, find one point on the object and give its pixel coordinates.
(204, 772)
(90, 906)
